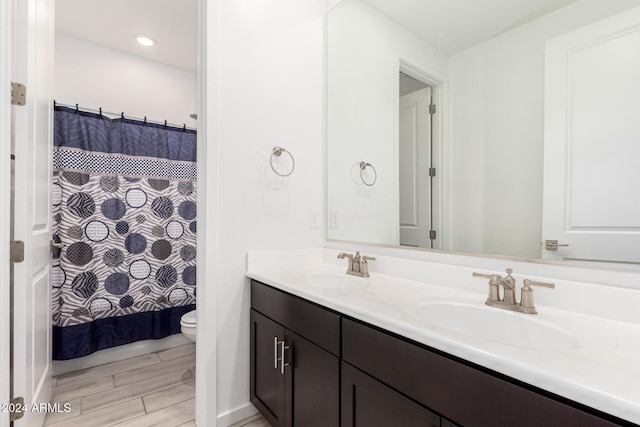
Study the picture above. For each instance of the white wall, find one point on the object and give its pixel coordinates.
(496, 93)
(364, 53)
(270, 92)
(94, 76)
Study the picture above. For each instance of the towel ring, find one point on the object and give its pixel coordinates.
(277, 152)
(363, 166)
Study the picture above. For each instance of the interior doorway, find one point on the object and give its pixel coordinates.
(416, 169)
(129, 65)
(32, 63)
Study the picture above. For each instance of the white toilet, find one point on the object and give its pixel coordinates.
(188, 325)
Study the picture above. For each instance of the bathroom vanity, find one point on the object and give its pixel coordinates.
(319, 358)
(295, 359)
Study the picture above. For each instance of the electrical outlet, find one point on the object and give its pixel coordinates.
(314, 218)
(333, 218)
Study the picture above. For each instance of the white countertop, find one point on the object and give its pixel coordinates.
(601, 368)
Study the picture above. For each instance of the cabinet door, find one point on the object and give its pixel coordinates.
(267, 381)
(462, 393)
(367, 402)
(313, 385)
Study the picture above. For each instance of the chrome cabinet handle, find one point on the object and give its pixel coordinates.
(275, 352)
(283, 347)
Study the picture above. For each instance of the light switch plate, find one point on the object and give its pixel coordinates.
(314, 218)
(333, 218)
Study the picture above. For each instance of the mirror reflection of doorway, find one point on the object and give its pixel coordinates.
(415, 163)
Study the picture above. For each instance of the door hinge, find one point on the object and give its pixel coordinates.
(18, 94)
(16, 251)
(16, 409)
(432, 234)
(432, 109)
(432, 171)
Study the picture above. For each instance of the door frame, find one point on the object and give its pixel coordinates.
(207, 70)
(439, 204)
(6, 47)
(207, 238)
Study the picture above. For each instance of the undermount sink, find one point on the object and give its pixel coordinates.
(496, 325)
(332, 280)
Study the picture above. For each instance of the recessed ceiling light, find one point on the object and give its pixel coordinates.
(144, 40)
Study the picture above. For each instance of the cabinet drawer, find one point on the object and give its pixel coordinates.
(308, 320)
(464, 394)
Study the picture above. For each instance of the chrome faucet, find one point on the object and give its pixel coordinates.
(508, 301)
(358, 264)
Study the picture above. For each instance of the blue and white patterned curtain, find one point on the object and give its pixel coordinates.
(124, 206)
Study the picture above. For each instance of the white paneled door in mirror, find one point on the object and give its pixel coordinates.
(414, 162)
(592, 142)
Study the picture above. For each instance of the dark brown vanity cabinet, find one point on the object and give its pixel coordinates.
(342, 372)
(295, 368)
(267, 381)
(463, 393)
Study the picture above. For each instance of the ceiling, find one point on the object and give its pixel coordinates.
(113, 23)
(448, 25)
(452, 26)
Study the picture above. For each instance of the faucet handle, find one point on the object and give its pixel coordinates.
(485, 275)
(526, 295)
(493, 275)
(494, 280)
(528, 283)
(364, 265)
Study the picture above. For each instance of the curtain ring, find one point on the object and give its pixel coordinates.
(363, 166)
(277, 151)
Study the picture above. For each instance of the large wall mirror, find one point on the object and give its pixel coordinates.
(496, 127)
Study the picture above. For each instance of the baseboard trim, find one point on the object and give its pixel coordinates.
(235, 415)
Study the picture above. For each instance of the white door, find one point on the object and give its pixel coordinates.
(33, 66)
(414, 163)
(592, 142)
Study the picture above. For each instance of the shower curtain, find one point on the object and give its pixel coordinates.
(124, 206)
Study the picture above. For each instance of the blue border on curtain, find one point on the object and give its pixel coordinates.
(92, 132)
(86, 338)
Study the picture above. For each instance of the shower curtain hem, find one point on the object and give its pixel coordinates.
(87, 338)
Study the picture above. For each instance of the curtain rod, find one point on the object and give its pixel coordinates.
(141, 119)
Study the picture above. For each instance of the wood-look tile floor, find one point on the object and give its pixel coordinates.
(156, 389)
(255, 421)
(153, 389)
